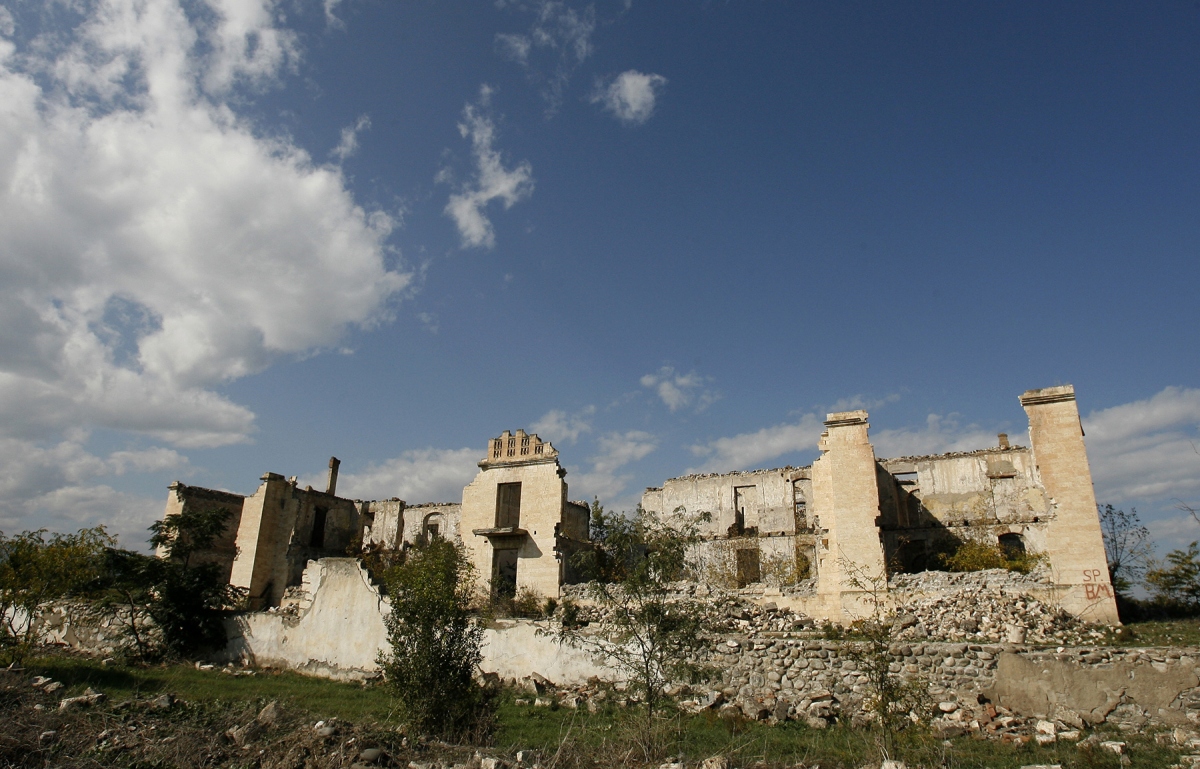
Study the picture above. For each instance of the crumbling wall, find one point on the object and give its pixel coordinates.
(183, 498)
(334, 630)
(444, 518)
(384, 523)
(282, 528)
(757, 502)
(778, 561)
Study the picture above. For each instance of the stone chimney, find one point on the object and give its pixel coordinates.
(334, 463)
(1003, 440)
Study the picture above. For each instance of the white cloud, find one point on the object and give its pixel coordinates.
(680, 390)
(491, 181)
(348, 144)
(631, 96)
(54, 487)
(939, 435)
(416, 476)
(750, 450)
(153, 244)
(558, 41)
(754, 450)
(616, 451)
(331, 14)
(1147, 450)
(1174, 532)
(558, 426)
(515, 47)
(246, 44)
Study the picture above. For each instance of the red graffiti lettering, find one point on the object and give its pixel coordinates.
(1094, 591)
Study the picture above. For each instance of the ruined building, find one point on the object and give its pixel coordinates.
(515, 520)
(831, 531)
(851, 517)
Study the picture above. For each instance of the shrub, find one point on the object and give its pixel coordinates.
(435, 642)
(1176, 584)
(645, 630)
(36, 568)
(976, 555)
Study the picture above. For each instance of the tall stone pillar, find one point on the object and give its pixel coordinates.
(1075, 545)
(262, 541)
(846, 500)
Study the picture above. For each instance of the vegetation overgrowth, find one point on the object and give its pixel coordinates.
(129, 730)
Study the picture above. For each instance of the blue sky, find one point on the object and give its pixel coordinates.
(239, 236)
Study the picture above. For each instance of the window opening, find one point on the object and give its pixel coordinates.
(504, 573)
(317, 539)
(508, 505)
(748, 567)
(1012, 545)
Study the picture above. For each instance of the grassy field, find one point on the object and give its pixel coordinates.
(348, 701)
(1177, 632)
(560, 737)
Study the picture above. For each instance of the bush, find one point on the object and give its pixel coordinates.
(36, 568)
(975, 555)
(1176, 584)
(435, 642)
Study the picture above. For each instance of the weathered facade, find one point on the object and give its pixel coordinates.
(850, 518)
(834, 531)
(515, 522)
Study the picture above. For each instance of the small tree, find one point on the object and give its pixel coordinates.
(435, 641)
(644, 629)
(185, 597)
(893, 701)
(36, 568)
(1127, 546)
(1177, 583)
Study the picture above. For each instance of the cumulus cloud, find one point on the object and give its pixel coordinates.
(1146, 450)
(416, 476)
(616, 450)
(154, 244)
(939, 435)
(631, 96)
(748, 451)
(491, 180)
(53, 486)
(557, 42)
(558, 426)
(678, 391)
(753, 450)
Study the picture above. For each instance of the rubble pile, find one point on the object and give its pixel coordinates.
(993, 606)
(990, 606)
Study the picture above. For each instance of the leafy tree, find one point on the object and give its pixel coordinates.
(645, 629)
(1127, 546)
(185, 597)
(435, 641)
(35, 568)
(1177, 583)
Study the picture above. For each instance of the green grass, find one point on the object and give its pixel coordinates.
(608, 738)
(1177, 632)
(322, 697)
